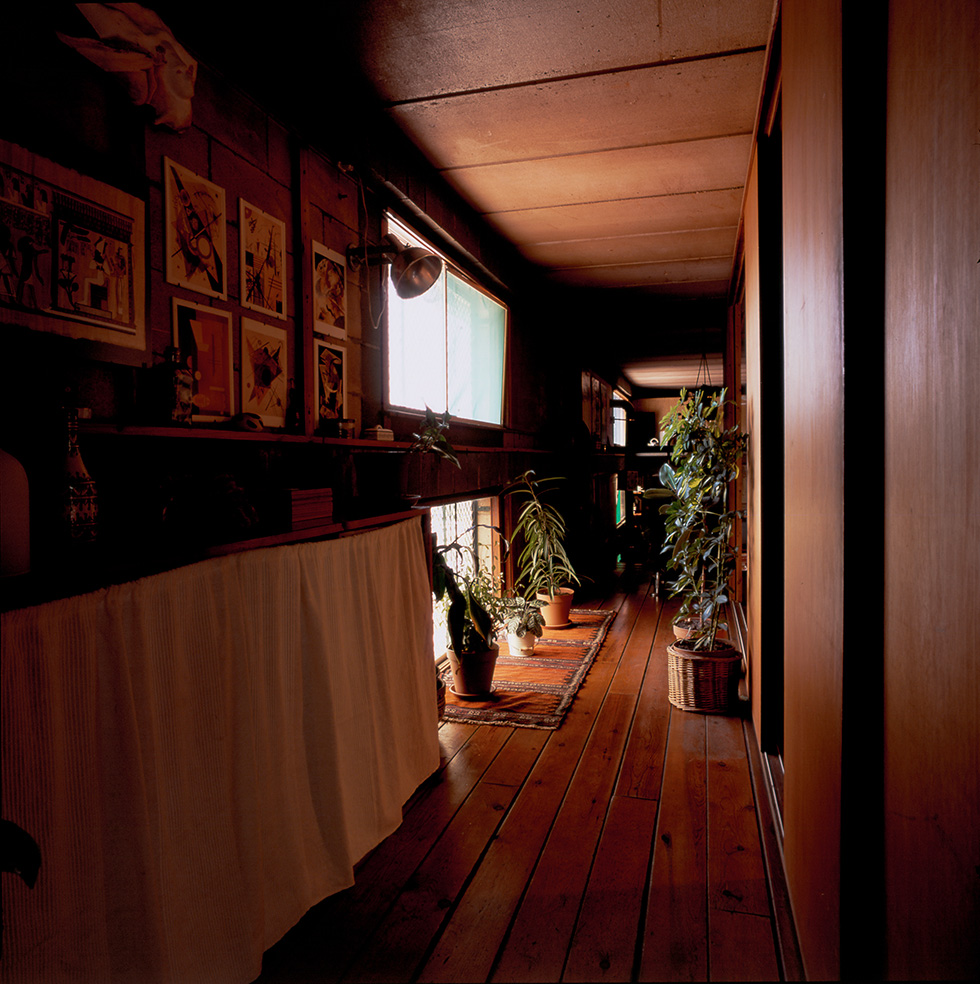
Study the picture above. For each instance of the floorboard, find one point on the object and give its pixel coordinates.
(624, 846)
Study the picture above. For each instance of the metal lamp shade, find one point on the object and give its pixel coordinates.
(414, 271)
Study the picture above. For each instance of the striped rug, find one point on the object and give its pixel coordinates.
(535, 691)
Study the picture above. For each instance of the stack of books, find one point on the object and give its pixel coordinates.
(309, 508)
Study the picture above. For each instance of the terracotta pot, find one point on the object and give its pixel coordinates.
(684, 628)
(521, 645)
(473, 674)
(556, 609)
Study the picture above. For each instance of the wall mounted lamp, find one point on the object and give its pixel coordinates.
(413, 269)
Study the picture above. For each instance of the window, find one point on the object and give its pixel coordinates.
(619, 418)
(446, 348)
(469, 524)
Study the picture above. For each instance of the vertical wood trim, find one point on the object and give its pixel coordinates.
(814, 478)
(931, 495)
(757, 572)
(302, 365)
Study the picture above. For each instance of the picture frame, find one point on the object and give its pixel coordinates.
(262, 247)
(329, 279)
(196, 231)
(72, 253)
(264, 368)
(204, 336)
(330, 371)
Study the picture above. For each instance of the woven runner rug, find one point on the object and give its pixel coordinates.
(535, 691)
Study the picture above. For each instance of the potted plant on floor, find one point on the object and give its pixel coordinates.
(474, 618)
(704, 459)
(524, 624)
(544, 567)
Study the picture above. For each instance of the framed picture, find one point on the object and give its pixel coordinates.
(331, 381)
(71, 252)
(263, 260)
(196, 231)
(329, 291)
(203, 335)
(264, 372)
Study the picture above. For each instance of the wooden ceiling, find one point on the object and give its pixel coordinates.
(608, 140)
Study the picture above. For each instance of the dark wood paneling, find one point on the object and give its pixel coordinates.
(814, 405)
(932, 497)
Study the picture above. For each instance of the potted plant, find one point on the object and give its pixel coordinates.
(543, 564)
(704, 459)
(523, 623)
(474, 617)
(430, 438)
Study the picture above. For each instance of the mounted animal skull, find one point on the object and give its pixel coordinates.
(139, 48)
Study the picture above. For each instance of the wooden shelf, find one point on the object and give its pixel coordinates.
(199, 432)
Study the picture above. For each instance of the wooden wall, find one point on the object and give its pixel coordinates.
(814, 505)
(881, 199)
(932, 493)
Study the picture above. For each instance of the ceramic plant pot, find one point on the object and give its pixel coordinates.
(556, 609)
(684, 628)
(521, 645)
(473, 674)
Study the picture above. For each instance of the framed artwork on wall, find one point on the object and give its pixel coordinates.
(329, 291)
(71, 252)
(331, 382)
(263, 260)
(196, 231)
(204, 337)
(264, 372)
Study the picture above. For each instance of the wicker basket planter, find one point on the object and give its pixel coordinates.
(440, 696)
(703, 681)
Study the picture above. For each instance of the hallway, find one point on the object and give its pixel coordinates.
(627, 845)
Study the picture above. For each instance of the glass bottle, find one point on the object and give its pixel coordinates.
(81, 500)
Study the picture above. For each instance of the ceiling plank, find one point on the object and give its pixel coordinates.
(634, 108)
(636, 172)
(423, 48)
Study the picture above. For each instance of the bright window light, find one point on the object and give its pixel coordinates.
(468, 523)
(446, 348)
(619, 421)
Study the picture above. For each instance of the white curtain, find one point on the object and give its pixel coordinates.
(204, 754)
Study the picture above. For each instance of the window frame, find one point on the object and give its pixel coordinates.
(396, 226)
(494, 546)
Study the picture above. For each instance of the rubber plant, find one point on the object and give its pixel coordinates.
(705, 457)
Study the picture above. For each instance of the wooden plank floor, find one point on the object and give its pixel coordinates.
(625, 846)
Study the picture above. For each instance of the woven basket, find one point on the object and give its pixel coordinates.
(705, 682)
(440, 696)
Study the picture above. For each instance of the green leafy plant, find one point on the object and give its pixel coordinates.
(431, 436)
(543, 564)
(475, 611)
(704, 458)
(523, 615)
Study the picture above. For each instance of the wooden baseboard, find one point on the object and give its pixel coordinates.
(770, 834)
